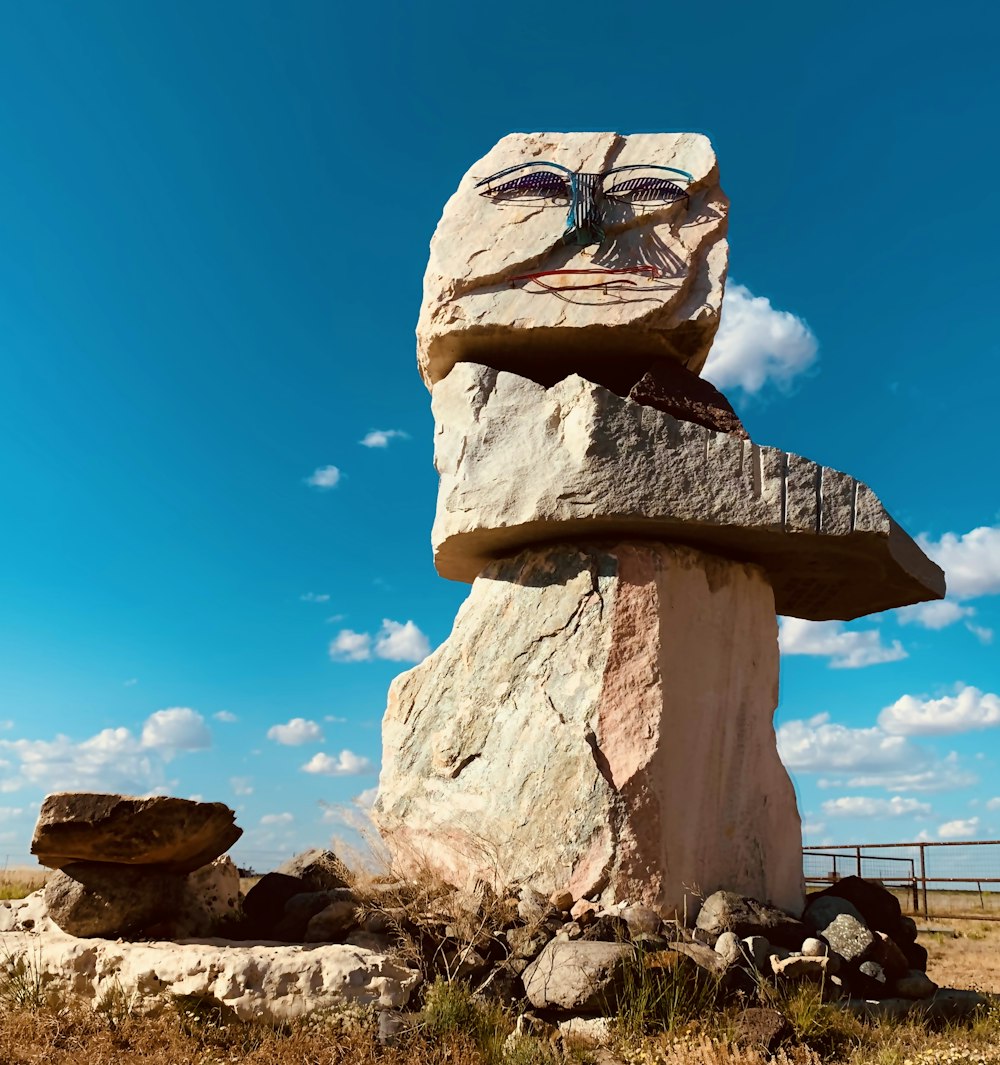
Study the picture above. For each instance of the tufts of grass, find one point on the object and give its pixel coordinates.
(21, 983)
(664, 999)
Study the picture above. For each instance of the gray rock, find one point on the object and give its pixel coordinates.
(332, 922)
(586, 977)
(526, 942)
(849, 938)
(814, 948)
(758, 950)
(641, 919)
(178, 835)
(319, 870)
(95, 899)
(727, 911)
(890, 957)
(822, 910)
(727, 946)
(915, 985)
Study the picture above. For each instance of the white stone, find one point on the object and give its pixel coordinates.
(259, 982)
(600, 720)
(472, 310)
(814, 948)
(210, 899)
(521, 464)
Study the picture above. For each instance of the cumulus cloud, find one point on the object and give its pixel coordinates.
(382, 437)
(366, 799)
(241, 785)
(296, 732)
(351, 646)
(971, 562)
(993, 804)
(757, 344)
(315, 597)
(865, 758)
(395, 642)
(345, 764)
(965, 711)
(937, 615)
(324, 477)
(846, 649)
(863, 806)
(113, 759)
(225, 717)
(959, 828)
(178, 728)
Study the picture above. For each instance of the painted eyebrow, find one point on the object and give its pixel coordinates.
(646, 166)
(521, 166)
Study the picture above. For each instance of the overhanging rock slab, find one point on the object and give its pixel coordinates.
(521, 465)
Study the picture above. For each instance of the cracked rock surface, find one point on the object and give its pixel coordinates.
(599, 720)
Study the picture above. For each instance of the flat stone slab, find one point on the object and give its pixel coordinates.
(522, 465)
(654, 283)
(179, 835)
(259, 981)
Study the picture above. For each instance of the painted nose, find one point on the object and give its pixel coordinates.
(583, 223)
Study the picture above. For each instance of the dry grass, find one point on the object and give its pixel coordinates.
(970, 958)
(16, 883)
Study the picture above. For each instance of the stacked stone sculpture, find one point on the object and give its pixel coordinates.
(600, 719)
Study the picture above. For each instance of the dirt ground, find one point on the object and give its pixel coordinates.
(967, 956)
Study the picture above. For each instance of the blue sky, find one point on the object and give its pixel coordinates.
(214, 221)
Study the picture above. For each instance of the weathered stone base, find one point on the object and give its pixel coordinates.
(600, 719)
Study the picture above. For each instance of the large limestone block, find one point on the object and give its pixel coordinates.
(522, 464)
(666, 305)
(599, 721)
(176, 834)
(259, 982)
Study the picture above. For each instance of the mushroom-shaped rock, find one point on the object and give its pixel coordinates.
(521, 465)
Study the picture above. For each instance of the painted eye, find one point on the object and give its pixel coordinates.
(537, 185)
(645, 190)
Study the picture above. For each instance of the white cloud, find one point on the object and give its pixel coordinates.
(315, 597)
(324, 477)
(277, 819)
(334, 720)
(296, 732)
(351, 646)
(757, 344)
(345, 764)
(130, 683)
(225, 717)
(381, 437)
(819, 745)
(8, 813)
(177, 729)
(395, 642)
(969, 709)
(971, 562)
(863, 806)
(937, 615)
(959, 828)
(241, 785)
(401, 643)
(981, 633)
(845, 649)
(993, 804)
(366, 800)
(6, 725)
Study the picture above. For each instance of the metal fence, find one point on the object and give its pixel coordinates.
(958, 880)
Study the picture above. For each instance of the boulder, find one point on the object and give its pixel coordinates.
(890, 957)
(300, 909)
(915, 985)
(179, 835)
(332, 923)
(209, 902)
(728, 911)
(520, 464)
(477, 303)
(88, 899)
(584, 977)
(264, 905)
(29, 914)
(727, 946)
(683, 395)
(878, 907)
(319, 870)
(574, 729)
(641, 919)
(849, 937)
(822, 909)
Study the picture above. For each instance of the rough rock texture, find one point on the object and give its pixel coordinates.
(320, 870)
(103, 899)
(473, 310)
(29, 914)
(676, 391)
(728, 911)
(521, 465)
(599, 721)
(577, 976)
(177, 834)
(209, 903)
(878, 907)
(270, 983)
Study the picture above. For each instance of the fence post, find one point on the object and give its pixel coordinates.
(857, 851)
(923, 875)
(916, 896)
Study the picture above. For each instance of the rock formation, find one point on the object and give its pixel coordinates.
(600, 719)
